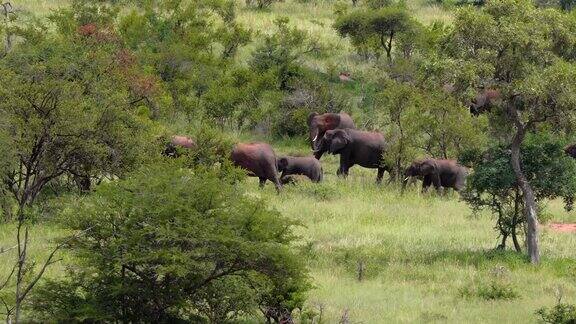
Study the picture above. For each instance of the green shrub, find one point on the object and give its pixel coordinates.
(498, 287)
(497, 290)
(170, 244)
(561, 313)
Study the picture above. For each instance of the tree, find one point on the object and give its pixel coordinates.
(511, 45)
(425, 121)
(282, 53)
(401, 114)
(66, 113)
(494, 186)
(170, 244)
(375, 30)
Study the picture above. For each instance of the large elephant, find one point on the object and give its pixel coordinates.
(319, 124)
(570, 150)
(308, 166)
(354, 147)
(440, 173)
(259, 160)
(176, 142)
(484, 101)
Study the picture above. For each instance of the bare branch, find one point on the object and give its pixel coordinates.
(49, 262)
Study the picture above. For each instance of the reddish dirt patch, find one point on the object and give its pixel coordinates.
(563, 228)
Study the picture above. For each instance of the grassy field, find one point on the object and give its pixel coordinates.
(425, 258)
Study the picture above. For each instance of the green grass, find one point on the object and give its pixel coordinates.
(419, 252)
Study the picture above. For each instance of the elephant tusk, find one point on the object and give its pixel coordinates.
(406, 179)
(315, 138)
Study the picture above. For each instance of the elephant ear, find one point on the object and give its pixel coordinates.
(339, 141)
(311, 118)
(331, 121)
(428, 167)
(282, 163)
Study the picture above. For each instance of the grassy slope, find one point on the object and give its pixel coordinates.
(419, 251)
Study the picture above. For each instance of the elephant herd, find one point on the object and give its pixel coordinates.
(335, 134)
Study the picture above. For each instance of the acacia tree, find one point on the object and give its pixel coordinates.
(66, 110)
(375, 30)
(512, 45)
(493, 185)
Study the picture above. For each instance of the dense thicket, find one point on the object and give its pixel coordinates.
(171, 244)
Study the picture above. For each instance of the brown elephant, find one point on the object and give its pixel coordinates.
(307, 165)
(440, 173)
(259, 160)
(319, 124)
(484, 101)
(354, 147)
(176, 142)
(570, 150)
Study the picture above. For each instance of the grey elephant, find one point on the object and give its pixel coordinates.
(440, 173)
(484, 101)
(355, 147)
(259, 160)
(307, 165)
(177, 142)
(318, 124)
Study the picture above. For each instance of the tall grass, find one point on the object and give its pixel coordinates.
(418, 251)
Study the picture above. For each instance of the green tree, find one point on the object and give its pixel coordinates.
(283, 52)
(66, 112)
(170, 244)
(511, 45)
(494, 186)
(426, 121)
(375, 30)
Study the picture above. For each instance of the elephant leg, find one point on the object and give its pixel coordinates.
(380, 175)
(437, 183)
(426, 183)
(344, 166)
(262, 182)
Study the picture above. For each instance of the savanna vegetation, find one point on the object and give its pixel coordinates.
(106, 217)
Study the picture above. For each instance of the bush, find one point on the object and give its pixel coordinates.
(171, 244)
(561, 313)
(498, 287)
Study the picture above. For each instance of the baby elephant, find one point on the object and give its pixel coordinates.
(440, 173)
(308, 166)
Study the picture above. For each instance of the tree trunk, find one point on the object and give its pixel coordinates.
(527, 192)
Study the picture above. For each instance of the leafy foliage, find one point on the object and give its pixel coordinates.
(561, 313)
(493, 184)
(374, 31)
(171, 244)
(46, 81)
(282, 53)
